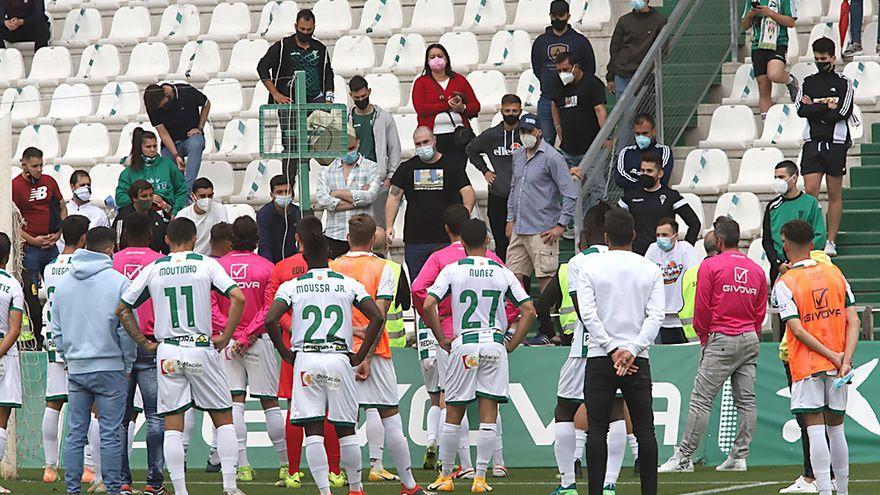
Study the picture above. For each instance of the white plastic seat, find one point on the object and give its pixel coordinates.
(220, 174)
(757, 254)
(589, 15)
(463, 48)
(509, 51)
(801, 70)
(732, 127)
(808, 12)
(148, 62)
(694, 202)
(478, 182)
(259, 97)
(380, 18)
(241, 60)
(70, 104)
(706, 171)
(833, 14)
(61, 173)
(276, 19)
(99, 64)
(794, 46)
(528, 88)
(745, 88)
(431, 17)
(105, 177)
(384, 90)
(230, 21)
(61, 6)
(756, 170)
(341, 86)
(743, 207)
(531, 15)
(225, 96)
(856, 124)
(234, 211)
(211, 144)
(11, 66)
(199, 61)
(353, 54)
(124, 147)
(255, 186)
(484, 16)
(86, 145)
(782, 127)
(869, 35)
(179, 23)
(824, 30)
(15, 172)
(332, 18)
(131, 24)
(406, 126)
(82, 27)
(44, 137)
(51, 65)
(241, 141)
(489, 86)
(23, 103)
(120, 102)
(865, 77)
(404, 54)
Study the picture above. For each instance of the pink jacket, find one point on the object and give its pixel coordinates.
(129, 262)
(731, 296)
(251, 272)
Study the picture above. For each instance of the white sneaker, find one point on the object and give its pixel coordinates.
(830, 248)
(677, 464)
(4, 490)
(233, 492)
(801, 485)
(731, 464)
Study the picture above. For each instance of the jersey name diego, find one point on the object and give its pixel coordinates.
(51, 276)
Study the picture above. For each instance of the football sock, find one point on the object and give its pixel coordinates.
(172, 447)
(820, 458)
(240, 433)
(486, 439)
(189, 422)
(4, 436)
(132, 429)
(498, 456)
(464, 444)
(94, 436)
(563, 447)
(316, 456)
(375, 438)
(399, 448)
(350, 457)
(448, 446)
(580, 443)
(633, 445)
(616, 450)
(50, 436)
(227, 449)
(839, 457)
(433, 424)
(275, 430)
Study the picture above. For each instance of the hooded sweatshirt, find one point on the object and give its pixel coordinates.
(84, 323)
(163, 174)
(498, 144)
(547, 45)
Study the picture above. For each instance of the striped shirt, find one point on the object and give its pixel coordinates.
(363, 182)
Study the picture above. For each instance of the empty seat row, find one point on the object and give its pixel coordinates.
(744, 207)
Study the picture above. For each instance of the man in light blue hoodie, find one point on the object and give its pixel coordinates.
(99, 355)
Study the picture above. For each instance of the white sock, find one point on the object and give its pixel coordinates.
(240, 433)
(616, 450)
(227, 450)
(633, 445)
(433, 424)
(189, 422)
(498, 455)
(399, 448)
(275, 430)
(820, 458)
(375, 438)
(485, 447)
(213, 457)
(4, 436)
(350, 459)
(172, 447)
(50, 436)
(316, 456)
(580, 443)
(132, 429)
(94, 436)
(839, 457)
(464, 444)
(448, 446)
(563, 447)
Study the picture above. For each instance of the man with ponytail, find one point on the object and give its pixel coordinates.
(145, 163)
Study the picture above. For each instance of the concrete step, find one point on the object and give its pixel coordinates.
(864, 284)
(865, 265)
(851, 238)
(860, 192)
(859, 204)
(855, 249)
(860, 220)
(865, 176)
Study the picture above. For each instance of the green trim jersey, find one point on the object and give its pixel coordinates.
(478, 287)
(180, 287)
(51, 276)
(580, 339)
(11, 299)
(320, 303)
(426, 343)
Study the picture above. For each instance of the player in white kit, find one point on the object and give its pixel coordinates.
(11, 310)
(188, 364)
(320, 304)
(477, 366)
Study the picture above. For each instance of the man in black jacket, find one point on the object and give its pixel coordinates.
(24, 21)
(143, 200)
(633, 36)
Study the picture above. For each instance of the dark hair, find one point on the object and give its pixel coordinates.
(100, 238)
(619, 227)
(31, 152)
(180, 231)
(221, 232)
(789, 167)
(305, 15)
(357, 83)
(74, 177)
(669, 221)
(361, 229)
(73, 228)
(727, 230)
(245, 234)
(509, 99)
(314, 244)
(653, 158)
(566, 57)
(644, 117)
(278, 180)
(138, 186)
(5, 246)
(427, 70)
(825, 46)
(593, 231)
(202, 183)
(473, 233)
(309, 225)
(454, 216)
(137, 226)
(153, 96)
(138, 136)
(798, 232)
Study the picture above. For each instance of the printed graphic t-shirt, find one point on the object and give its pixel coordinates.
(429, 188)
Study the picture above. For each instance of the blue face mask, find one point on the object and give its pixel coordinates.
(664, 243)
(350, 157)
(637, 4)
(426, 153)
(642, 141)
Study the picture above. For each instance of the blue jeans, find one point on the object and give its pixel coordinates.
(143, 375)
(593, 187)
(106, 389)
(415, 255)
(36, 259)
(545, 118)
(855, 22)
(192, 149)
(620, 84)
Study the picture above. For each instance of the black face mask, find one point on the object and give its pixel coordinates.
(303, 37)
(558, 24)
(511, 119)
(362, 104)
(647, 181)
(824, 66)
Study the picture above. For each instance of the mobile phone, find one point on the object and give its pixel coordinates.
(755, 5)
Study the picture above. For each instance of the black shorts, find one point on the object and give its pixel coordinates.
(760, 59)
(824, 158)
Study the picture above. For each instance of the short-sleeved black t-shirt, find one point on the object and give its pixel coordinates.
(428, 188)
(181, 114)
(577, 114)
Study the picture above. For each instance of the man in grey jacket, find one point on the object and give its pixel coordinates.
(379, 142)
(633, 36)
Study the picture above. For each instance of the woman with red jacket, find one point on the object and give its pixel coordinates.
(444, 100)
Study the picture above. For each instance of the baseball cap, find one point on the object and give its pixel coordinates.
(529, 121)
(558, 7)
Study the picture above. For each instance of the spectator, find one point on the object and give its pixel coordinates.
(855, 31)
(39, 200)
(498, 144)
(277, 222)
(79, 204)
(632, 38)
(379, 142)
(179, 113)
(791, 204)
(444, 101)
(729, 310)
(769, 48)
(689, 287)
(347, 187)
(430, 182)
(300, 51)
(535, 218)
(221, 239)
(578, 114)
(205, 213)
(674, 257)
(826, 101)
(169, 185)
(143, 199)
(557, 38)
(24, 21)
(653, 201)
(629, 161)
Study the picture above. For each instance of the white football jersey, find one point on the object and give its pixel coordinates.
(580, 340)
(51, 276)
(320, 303)
(426, 343)
(11, 299)
(478, 287)
(179, 286)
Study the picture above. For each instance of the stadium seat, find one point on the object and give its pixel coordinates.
(148, 62)
(276, 20)
(86, 145)
(732, 127)
(15, 171)
(220, 174)
(61, 6)
(496, 119)
(234, 211)
(70, 104)
(509, 51)
(199, 61)
(757, 254)
(131, 24)
(700, 247)
(531, 16)
(783, 127)
(242, 64)
(332, 18)
(743, 207)
(745, 88)
(340, 85)
(866, 81)
(869, 34)
(120, 102)
(23, 103)
(489, 86)
(385, 91)
(51, 66)
(105, 177)
(808, 12)
(756, 170)
(260, 97)
(801, 70)
(44, 137)
(230, 21)
(856, 124)
(406, 126)
(98, 64)
(61, 173)
(794, 46)
(398, 226)
(255, 186)
(179, 23)
(82, 27)
(241, 141)
(478, 182)
(225, 96)
(404, 54)
(123, 150)
(823, 30)
(11, 66)
(211, 143)
(464, 51)
(484, 16)
(694, 201)
(528, 88)
(706, 171)
(833, 14)
(590, 15)
(353, 54)
(314, 174)
(380, 18)
(431, 17)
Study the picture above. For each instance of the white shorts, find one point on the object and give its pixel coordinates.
(323, 386)
(431, 373)
(477, 370)
(379, 390)
(255, 371)
(10, 379)
(571, 380)
(56, 382)
(442, 360)
(816, 394)
(138, 404)
(191, 376)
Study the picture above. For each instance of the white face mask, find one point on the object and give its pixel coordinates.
(779, 186)
(83, 193)
(528, 140)
(205, 204)
(567, 78)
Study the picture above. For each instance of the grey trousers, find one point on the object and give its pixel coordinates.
(724, 357)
